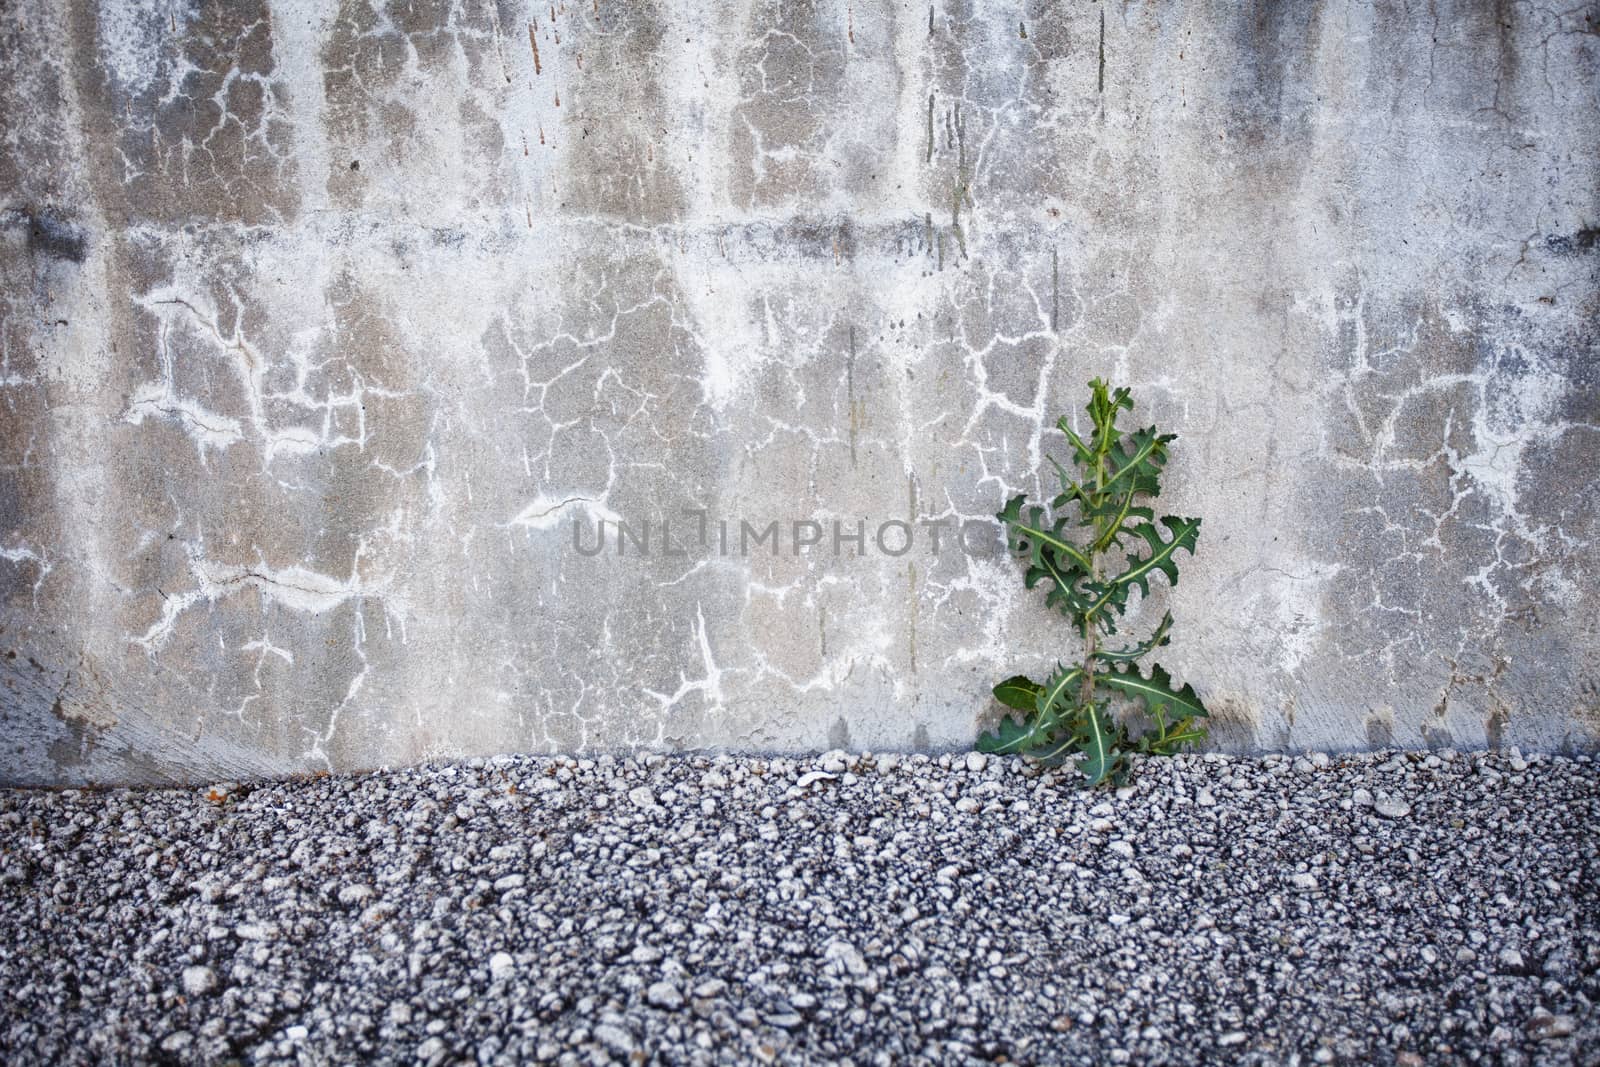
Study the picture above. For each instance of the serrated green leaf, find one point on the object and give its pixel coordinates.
(1170, 741)
(1009, 737)
(1156, 689)
(1097, 739)
(1058, 689)
(1137, 461)
(1081, 450)
(1030, 534)
(1139, 651)
(1065, 596)
(1018, 692)
(1185, 532)
(1013, 738)
(1066, 745)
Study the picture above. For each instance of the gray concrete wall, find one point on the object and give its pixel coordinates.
(321, 326)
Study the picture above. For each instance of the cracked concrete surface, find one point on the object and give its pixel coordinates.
(320, 328)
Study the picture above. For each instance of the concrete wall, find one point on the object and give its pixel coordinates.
(321, 326)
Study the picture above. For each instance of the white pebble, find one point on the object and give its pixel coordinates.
(198, 981)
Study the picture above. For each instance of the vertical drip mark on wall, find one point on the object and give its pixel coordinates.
(1055, 290)
(1100, 85)
(850, 391)
(911, 637)
(927, 221)
(930, 128)
(499, 52)
(961, 182)
(533, 40)
(930, 20)
(850, 22)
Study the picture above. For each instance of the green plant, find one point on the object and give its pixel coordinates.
(1070, 713)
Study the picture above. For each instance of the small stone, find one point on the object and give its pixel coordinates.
(1303, 880)
(501, 966)
(1511, 959)
(199, 980)
(1361, 798)
(1232, 1037)
(785, 1020)
(642, 797)
(1392, 807)
(846, 957)
(811, 778)
(432, 1050)
(1205, 799)
(355, 894)
(1547, 1027)
(615, 1038)
(664, 995)
(1121, 848)
(976, 762)
(510, 881)
(967, 804)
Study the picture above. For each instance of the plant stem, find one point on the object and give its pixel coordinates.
(1097, 499)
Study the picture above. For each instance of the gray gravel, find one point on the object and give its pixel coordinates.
(1419, 907)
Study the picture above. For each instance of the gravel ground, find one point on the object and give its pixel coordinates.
(1396, 908)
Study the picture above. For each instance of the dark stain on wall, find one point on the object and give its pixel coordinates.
(49, 233)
